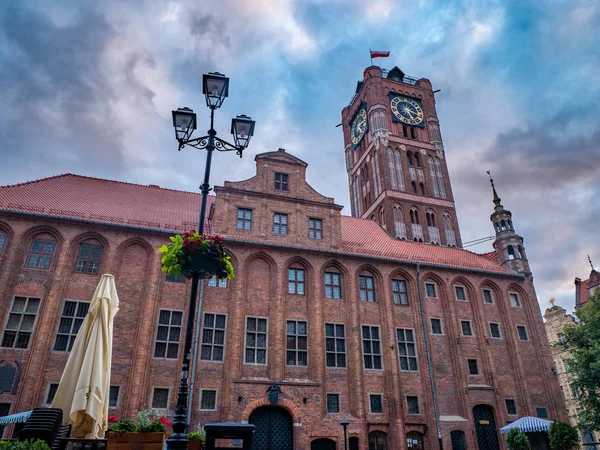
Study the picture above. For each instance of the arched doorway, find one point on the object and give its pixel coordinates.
(458, 440)
(377, 440)
(485, 427)
(414, 440)
(274, 429)
(353, 443)
(322, 444)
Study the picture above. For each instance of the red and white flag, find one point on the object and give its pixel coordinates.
(376, 54)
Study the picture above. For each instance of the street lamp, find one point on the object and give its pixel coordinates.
(345, 424)
(215, 87)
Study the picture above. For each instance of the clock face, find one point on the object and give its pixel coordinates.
(407, 110)
(359, 126)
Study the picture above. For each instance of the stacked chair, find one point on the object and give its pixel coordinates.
(44, 424)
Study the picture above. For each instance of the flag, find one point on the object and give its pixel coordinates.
(376, 54)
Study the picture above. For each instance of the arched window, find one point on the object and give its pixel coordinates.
(414, 216)
(510, 225)
(448, 230)
(521, 252)
(422, 188)
(414, 440)
(395, 166)
(399, 227)
(356, 196)
(399, 175)
(417, 159)
(511, 252)
(457, 438)
(3, 240)
(497, 225)
(377, 172)
(503, 224)
(392, 168)
(413, 133)
(41, 252)
(413, 185)
(373, 218)
(440, 178)
(382, 217)
(89, 257)
(409, 157)
(432, 175)
(404, 131)
(431, 219)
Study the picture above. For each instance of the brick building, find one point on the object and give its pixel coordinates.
(338, 317)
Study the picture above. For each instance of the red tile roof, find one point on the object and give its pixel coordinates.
(114, 202)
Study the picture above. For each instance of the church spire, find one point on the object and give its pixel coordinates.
(497, 200)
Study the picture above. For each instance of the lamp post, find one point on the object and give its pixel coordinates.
(345, 424)
(215, 87)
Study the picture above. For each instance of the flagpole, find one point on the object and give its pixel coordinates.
(371, 55)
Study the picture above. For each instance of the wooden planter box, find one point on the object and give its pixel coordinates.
(195, 444)
(135, 441)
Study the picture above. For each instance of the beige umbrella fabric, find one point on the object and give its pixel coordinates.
(84, 386)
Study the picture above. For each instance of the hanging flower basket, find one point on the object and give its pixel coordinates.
(190, 253)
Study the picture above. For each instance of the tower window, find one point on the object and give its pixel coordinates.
(409, 157)
(414, 216)
(413, 133)
(521, 252)
(511, 252)
(422, 188)
(413, 185)
(405, 131)
(430, 216)
(417, 159)
(281, 181)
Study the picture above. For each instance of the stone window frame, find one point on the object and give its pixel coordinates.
(154, 388)
(216, 407)
(212, 343)
(335, 352)
(491, 291)
(339, 402)
(70, 335)
(508, 413)
(117, 403)
(380, 394)
(41, 253)
(283, 227)
(441, 326)
(371, 354)
(255, 347)
(510, 294)
(168, 342)
(435, 290)
(499, 330)
(48, 391)
(18, 330)
(524, 327)
(462, 330)
(464, 290)
(406, 397)
(88, 262)
(473, 366)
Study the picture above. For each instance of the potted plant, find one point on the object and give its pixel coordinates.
(146, 433)
(197, 438)
(190, 253)
(517, 440)
(563, 436)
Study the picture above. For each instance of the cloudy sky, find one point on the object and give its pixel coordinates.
(88, 87)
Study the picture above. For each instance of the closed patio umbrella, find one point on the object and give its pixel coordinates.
(84, 386)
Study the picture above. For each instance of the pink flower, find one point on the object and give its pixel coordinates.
(112, 418)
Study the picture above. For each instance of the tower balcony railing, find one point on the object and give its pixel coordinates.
(400, 230)
(434, 235)
(417, 231)
(384, 73)
(450, 237)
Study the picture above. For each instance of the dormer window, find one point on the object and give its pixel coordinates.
(281, 181)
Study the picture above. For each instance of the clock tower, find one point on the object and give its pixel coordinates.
(395, 158)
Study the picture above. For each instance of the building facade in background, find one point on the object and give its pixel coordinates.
(329, 317)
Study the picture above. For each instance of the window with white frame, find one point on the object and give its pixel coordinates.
(488, 297)
(495, 330)
(160, 398)
(168, 332)
(376, 403)
(72, 317)
(436, 326)
(215, 282)
(297, 343)
(208, 399)
(399, 292)
(371, 342)
(461, 294)
(256, 341)
(20, 322)
(514, 299)
(466, 327)
(333, 403)
(522, 332)
(335, 345)
(430, 290)
(213, 337)
(407, 350)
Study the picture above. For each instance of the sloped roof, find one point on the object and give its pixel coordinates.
(113, 202)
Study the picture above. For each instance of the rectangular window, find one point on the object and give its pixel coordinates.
(399, 292)
(522, 332)
(19, 325)
(514, 299)
(40, 254)
(333, 285)
(244, 219)
(208, 399)
(371, 347)
(375, 403)
(172, 278)
(430, 290)
(168, 332)
(333, 403)
(574, 392)
(280, 223)
(213, 337)
(296, 281)
(335, 345)
(460, 293)
(436, 326)
(256, 341)
(281, 181)
(407, 351)
(488, 297)
(160, 398)
(367, 288)
(412, 404)
(473, 369)
(495, 330)
(52, 388)
(70, 322)
(113, 396)
(297, 343)
(88, 260)
(315, 228)
(542, 413)
(466, 327)
(214, 282)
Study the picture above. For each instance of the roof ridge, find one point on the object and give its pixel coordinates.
(98, 179)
